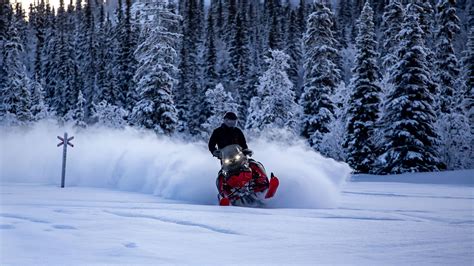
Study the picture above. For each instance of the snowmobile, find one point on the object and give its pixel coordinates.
(242, 181)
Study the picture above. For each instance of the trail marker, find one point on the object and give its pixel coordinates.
(64, 141)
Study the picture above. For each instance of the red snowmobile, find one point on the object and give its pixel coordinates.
(242, 180)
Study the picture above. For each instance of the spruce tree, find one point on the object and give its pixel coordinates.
(63, 66)
(409, 118)
(15, 94)
(211, 53)
(219, 101)
(39, 25)
(393, 16)
(190, 94)
(364, 102)
(154, 77)
(468, 78)
(39, 109)
(6, 15)
(240, 59)
(321, 76)
(109, 115)
(274, 106)
(446, 62)
(125, 61)
(77, 115)
(294, 49)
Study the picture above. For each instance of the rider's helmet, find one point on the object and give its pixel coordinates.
(230, 119)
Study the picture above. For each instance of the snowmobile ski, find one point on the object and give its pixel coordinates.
(272, 187)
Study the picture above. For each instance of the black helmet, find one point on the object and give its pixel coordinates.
(230, 116)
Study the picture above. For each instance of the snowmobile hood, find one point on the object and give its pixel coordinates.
(232, 158)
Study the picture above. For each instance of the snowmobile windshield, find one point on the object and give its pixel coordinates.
(232, 157)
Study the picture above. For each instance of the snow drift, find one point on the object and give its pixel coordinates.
(142, 162)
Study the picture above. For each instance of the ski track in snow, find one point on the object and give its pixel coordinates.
(430, 224)
(178, 222)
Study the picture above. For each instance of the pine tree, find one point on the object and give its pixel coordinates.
(426, 17)
(191, 93)
(6, 15)
(321, 76)
(219, 101)
(294, 50)
(274, 35)
(211, 54)
(39, 25)
(77, 115)
(468, 104)
(240, 60)
(364, 102)
(274, 106)
(455, 140)
(125, 61)
(48, 55)
(64, 69)
(15, 95)
(333, 144)
(344, 18)
(110, 115)
(39, 109)
(393, 16)
(156, 58)
(409, 119)
(447, 64)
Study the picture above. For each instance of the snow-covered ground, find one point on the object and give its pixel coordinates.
(375, 223)
(133, 198)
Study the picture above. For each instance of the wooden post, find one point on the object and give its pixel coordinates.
(64, 141)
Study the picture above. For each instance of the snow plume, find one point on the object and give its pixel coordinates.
(173, 169)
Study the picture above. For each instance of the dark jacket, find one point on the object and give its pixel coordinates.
(224, 136)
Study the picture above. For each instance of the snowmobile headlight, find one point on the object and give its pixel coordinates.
(237, 157)
(226, 161)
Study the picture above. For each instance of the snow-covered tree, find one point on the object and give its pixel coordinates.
(125, 60)
(219, 101)
(240, 60)
(110, 115)
(156, 58)
(294, 48)
(274, 106)
(211, 53)
(191, 93)
(468, 77)
(364, 102)
(63, 66)
(391, 25)
(333, 144)
(447, 64)
(39, 108)
(15, 95)
(408, 121)
(77, 115)
(455, 140)
(426, 18)
(322, 76)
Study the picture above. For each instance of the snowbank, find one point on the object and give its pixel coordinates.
(142, 162)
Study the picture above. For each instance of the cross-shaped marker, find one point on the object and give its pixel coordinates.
(64, 141)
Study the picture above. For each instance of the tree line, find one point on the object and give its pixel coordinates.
(385, 86)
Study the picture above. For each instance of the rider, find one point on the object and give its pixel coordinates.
(227, 134)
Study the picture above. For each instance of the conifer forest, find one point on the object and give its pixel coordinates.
(384, 85)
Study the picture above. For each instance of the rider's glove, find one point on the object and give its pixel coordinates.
(248, 152)
(217, 154)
